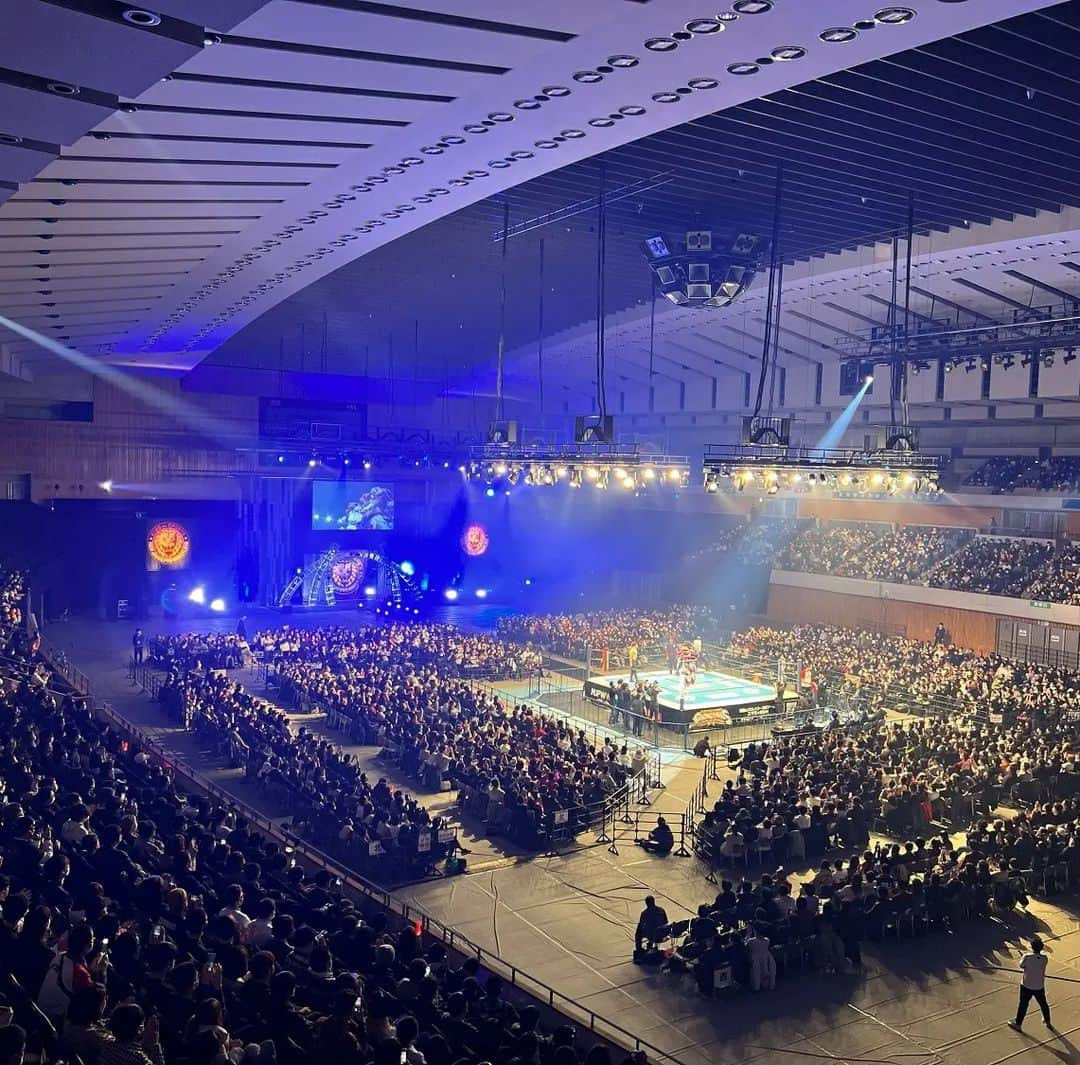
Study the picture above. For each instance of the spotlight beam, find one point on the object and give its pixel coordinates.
(835, 433)
(171, 406)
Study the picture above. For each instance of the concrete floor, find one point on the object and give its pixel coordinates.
(568, 922)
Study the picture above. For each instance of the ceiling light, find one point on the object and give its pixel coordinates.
(210, 40)
(894, 16)
(752, 7)
(520, 153)
(475, 127)
(704, 25)
(138, 17)
(62, 88)
(573, 134)
(727, 16)
(743, 68)
(601, 123)
(10, 138)
(787, 52)
(546, 144)
(838, 35)
(501, 116)
(666, 97)
(527, 105)
(588, 77)
(556, 91)
(622, 62)
(632, 110)
(476, 173)
(703, 83)
(661, 44)
(498, 164)
(452, 138)
(439, 192)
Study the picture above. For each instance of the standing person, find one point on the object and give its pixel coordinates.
(138, 641)
(631, 657)
(1032, 985)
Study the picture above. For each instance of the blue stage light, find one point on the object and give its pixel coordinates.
(451, 594)
(489, 492)
(197, 595)
(407, 568)
(369, 591)
(481, 593)
(218, 605)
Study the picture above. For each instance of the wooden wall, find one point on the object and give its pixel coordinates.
(905, 513)
(812, 606)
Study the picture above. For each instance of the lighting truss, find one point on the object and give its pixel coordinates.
(600, 466)
(738, 467)
(1003, 342)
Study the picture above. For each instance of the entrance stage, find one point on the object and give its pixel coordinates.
(714, 700)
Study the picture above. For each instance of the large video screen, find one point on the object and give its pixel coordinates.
(352, 505)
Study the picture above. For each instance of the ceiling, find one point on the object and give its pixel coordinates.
(230, 155)
(976, 127)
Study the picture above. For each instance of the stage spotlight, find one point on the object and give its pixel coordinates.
(281, 458)
(451, 594)
(407, 568)
(367, 464)
(575, 478)
(346, 461)
(218, 605)
(500, 469)
(105, 486)
(312, 462)
(197, 595)
(481, 593)
(592, 473)
(528, 582)
(869, 379)
(489, 492)
(674, 475)
(649, 473)
(370, 592)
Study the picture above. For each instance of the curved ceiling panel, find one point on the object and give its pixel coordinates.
(310, 133)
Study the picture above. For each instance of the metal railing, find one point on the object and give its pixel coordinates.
(360, 887)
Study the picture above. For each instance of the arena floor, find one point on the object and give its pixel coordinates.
(568, 921)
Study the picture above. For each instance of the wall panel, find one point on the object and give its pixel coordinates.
(812, 606)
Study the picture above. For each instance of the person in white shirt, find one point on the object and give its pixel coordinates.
(1032, 985)
(233, 897)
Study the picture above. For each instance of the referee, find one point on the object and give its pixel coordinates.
(1032, 985)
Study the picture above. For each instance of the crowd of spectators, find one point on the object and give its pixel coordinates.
(1059, 580)
(799, 802)
(192, 651)
(992, 565)
(893, 671)
(141, 924)
(408, 689)
(514, 767)
(573, 635)
(872, 551)
(456, 652)
(1008, 473)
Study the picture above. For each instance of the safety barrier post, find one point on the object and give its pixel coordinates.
(683, 852)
